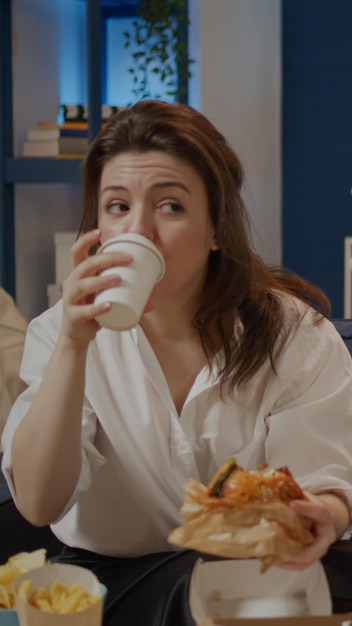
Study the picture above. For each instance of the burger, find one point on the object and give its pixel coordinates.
(244, 514)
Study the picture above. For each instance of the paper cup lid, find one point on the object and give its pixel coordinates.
(141, 240)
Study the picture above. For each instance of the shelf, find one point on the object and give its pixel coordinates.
(19, 170)
(38, 170)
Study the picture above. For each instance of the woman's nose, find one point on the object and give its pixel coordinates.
(142, 223)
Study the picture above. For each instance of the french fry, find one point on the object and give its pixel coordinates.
(74, 599)
(57, 598)
(25, 590)
(5, 598)
(18, 564)
(43, 605)
(26, 561)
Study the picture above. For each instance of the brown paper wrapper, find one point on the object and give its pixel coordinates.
(68, 575)
(269, 532)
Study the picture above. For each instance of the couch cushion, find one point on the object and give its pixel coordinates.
(344, 327)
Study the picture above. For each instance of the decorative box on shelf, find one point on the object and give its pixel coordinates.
(63, 264)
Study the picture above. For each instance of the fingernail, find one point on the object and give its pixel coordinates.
(124, 256)
(113, 278)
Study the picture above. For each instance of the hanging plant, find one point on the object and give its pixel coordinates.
(158, 38)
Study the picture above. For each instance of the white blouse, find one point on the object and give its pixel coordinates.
(137, 452)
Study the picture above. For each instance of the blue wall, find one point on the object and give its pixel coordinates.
(317, 140)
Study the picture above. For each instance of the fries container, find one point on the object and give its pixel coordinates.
(67, 575)
(8, 617)
(235, 593)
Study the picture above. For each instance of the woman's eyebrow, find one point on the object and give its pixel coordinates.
(160, 185)
(171, 183)
(113, 188)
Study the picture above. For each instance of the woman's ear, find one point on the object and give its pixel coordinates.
(214, 244)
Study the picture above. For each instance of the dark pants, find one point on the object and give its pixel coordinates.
(338, 569)
(152, 590)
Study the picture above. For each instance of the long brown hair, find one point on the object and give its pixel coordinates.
(238, 283)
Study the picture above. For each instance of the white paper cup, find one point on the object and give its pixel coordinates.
(129, 298)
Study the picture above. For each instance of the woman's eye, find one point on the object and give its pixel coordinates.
(171, 207)
(116, 208)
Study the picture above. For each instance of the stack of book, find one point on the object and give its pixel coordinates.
(67, 140)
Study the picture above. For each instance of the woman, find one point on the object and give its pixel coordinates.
(230, 358)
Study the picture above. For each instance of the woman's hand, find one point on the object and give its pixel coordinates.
(84, 281)
(330, 520)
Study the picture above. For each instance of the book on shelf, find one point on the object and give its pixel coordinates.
(56, 147)
(51, 139)
(41, 148)
(65, 126)
(47, 134)
(76, 145)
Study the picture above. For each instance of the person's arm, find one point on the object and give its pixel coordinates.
(46, 446)
(46, 455)
(310, 430)
(339, 512)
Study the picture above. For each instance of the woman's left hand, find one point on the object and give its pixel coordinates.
(330, 519)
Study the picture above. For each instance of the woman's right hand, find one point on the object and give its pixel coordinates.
(85, 280)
